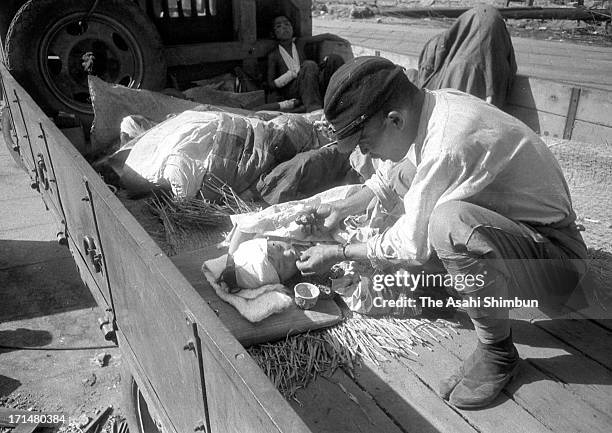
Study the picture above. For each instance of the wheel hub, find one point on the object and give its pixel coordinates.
(73, 49)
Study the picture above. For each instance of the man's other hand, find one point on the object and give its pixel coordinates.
(320, 219)
(319, 259)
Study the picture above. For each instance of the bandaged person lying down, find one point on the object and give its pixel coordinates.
(251, 280)
(265, 247)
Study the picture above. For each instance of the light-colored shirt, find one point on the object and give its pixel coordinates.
(469, 150)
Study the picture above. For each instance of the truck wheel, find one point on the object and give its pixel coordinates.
(137, 413)
(51, 43)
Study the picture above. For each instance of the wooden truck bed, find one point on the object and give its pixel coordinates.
(277, 326)
(565, 382)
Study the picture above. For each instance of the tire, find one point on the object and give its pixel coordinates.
(136, 411)
(47, 39)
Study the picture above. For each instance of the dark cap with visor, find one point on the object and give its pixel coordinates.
(356, 91)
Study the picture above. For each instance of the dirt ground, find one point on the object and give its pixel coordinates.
(45, 308)
(590, 33)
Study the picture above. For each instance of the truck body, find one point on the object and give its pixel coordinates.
(185, 370)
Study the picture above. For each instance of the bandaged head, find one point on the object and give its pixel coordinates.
(253, 268)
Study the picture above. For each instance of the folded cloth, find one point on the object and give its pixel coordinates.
(279, 220)
(261, 293)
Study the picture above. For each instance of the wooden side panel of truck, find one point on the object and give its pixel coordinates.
(193, 374)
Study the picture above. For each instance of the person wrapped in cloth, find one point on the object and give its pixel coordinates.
(486, 198)
(475, 56)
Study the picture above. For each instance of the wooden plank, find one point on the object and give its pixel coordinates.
(245, 26)
(408, 400)
(408, 62)
(592, 133)
(151, 317)
(571, 113)
(193, 54)
(591, 339)
(277, 326)
(558, 406)
(561, 62)
(595, 107)
(579, 77)
(503, 416)
(326, 407)
(541, 95)
(145, 387)
(592, 115)
(587, 337)
(234, 410)
(68, 181)
(585, 378)
(542, 123)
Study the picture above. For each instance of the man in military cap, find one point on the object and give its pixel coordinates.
(487, 199)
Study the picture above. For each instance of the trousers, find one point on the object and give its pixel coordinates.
(507, 259)
(311, 82)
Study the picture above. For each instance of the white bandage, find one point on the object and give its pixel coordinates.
(253, 269)
(285, 79)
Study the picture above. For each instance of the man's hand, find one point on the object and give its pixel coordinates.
(319, 259)
(320, 219)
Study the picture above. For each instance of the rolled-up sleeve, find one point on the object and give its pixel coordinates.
(407, 239)
(381, 186)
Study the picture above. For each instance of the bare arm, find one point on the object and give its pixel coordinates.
(354, 204)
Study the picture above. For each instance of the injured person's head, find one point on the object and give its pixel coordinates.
(260, 261)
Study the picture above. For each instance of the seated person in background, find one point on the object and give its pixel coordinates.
(291, 74)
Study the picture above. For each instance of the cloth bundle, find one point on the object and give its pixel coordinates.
(262, 294)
